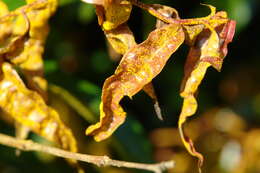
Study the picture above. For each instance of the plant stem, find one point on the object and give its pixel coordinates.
(27, 145)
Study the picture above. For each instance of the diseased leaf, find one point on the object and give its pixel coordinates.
(209, 49)
(121, 39)
(116, 13)
(30, 59)
(191, 33)
(13, 28)
(22, 36)
(111, 13)
(29, 109)
(166, 11)
(30, 112)
(137, 68)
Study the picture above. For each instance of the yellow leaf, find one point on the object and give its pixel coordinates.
(207, 50)
(13, 28)
(3, 8)
(30, 110)
(115, 13)
(137, 68)
(121, 38)
(30, 59)
(22, 36)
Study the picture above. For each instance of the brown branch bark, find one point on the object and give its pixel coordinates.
(27, 145)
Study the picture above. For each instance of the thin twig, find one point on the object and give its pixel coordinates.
(27, 145)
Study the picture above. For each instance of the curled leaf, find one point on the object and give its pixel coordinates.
(30, 110)
(137, 68)
(13, 29)
(209, 49)
(30, 59)
(116, 13)
(121, 38)
(165, 11)
(191, 33)
(112, 13)
(22, 36)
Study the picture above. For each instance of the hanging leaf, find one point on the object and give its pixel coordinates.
(209, 49)
(111, 13)
(31, 113)
(30, 59)
(121, 39)
(22, 36)
(116, 13)
(29, 109)
(13, 29)
(137, 68)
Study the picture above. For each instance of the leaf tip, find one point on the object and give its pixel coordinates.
(158, 110)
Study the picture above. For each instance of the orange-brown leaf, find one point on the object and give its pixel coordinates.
(121, 39)
(137, 68)
(209, 49)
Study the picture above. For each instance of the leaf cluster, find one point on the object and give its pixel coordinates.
(23, 34)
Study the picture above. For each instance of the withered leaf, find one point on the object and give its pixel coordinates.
(137, 68)
(29, 109)
(209, 49)
(13, 28)
(117, 12)
(30, 59)
(111, 13)
(122, 39)
(165, 11)
(22, 36)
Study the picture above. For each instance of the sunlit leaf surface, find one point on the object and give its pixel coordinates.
(136, 69)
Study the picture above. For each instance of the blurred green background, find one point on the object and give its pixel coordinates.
(225, 127)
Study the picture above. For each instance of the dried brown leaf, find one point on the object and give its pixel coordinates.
(137, 68)
(209, 49)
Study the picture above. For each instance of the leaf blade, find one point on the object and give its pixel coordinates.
(136, 69)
